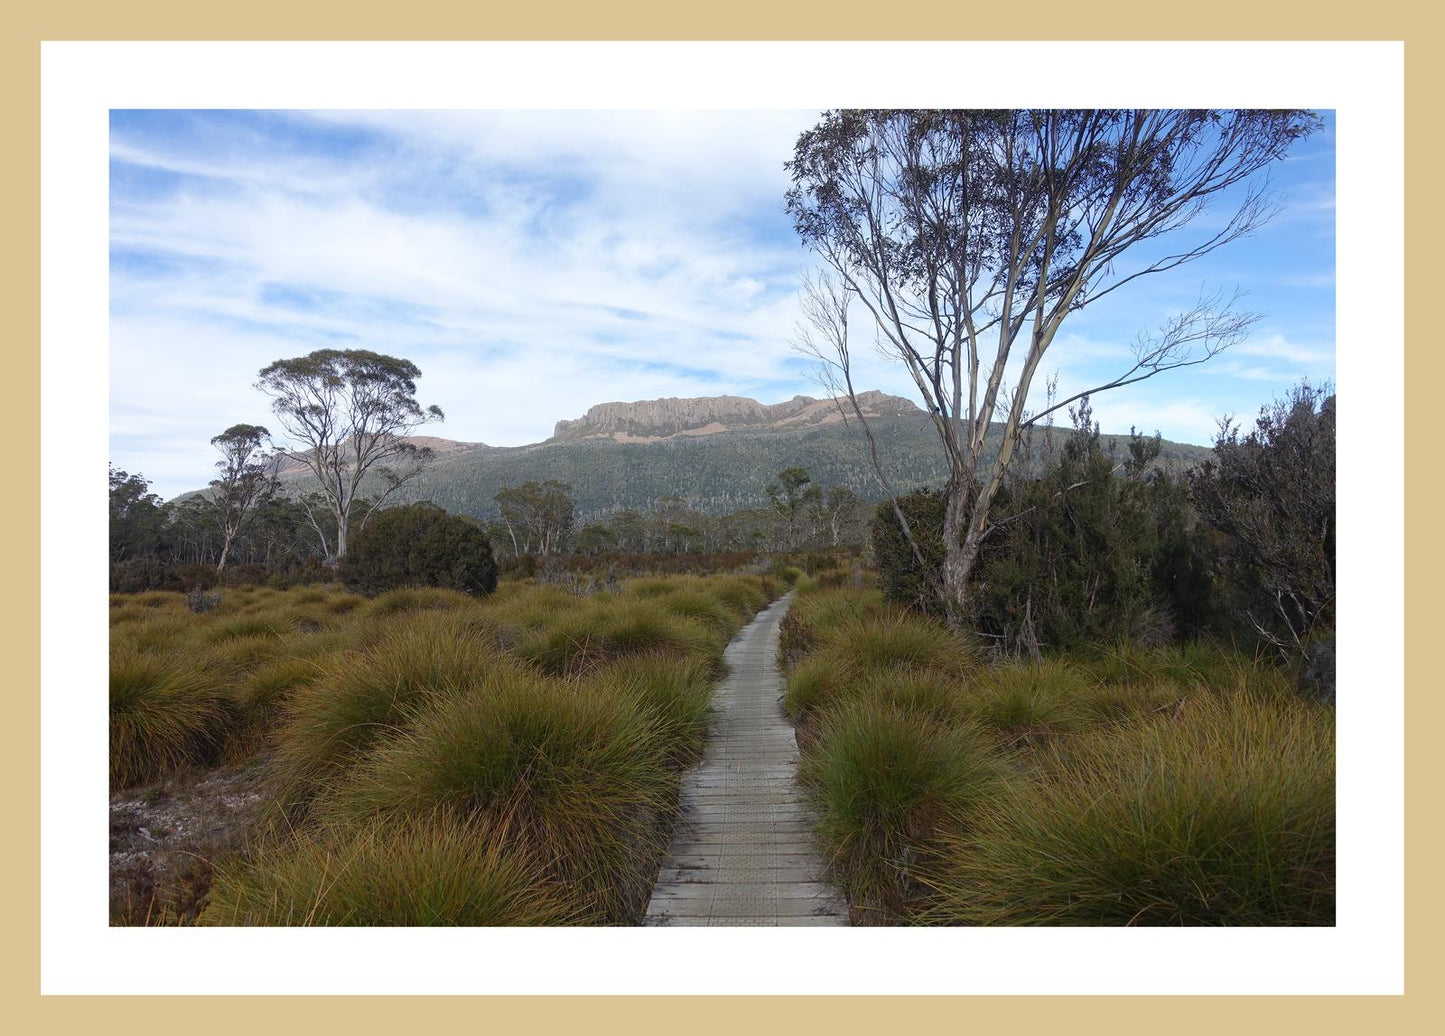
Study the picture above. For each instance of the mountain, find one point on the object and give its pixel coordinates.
(717, 453)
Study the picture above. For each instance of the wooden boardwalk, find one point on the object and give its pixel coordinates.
(742, 852)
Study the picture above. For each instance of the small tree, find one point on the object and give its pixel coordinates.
(788, 497)
(970, 236)
(248, 478)
(421, 545)
(352, 410)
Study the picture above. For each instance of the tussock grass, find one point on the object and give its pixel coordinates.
(859, 652)
(928, 696)
(578, 780)
(419, 598)
(233, 655)
(817, 614)
(605, 630)
(365, 696)
(438, 870)
(149, 631)
(165, 710)
(1029, 701)
(344, 603)
(1221, 814)
(674, 694)
(885, 783)
(160, 599)
(270, 685)
(530, 608)
(435, 759)
(704, 608)
(244, 626)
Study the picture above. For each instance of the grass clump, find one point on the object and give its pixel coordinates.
(884, 783)
(165, 710)
(577, 780)
(1221, 814)
(1027, 702)
(363, 697)
(432, 871)
(419, 598)
(675, 695)
(605, 630)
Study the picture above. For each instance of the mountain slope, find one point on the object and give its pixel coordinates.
(718, 454)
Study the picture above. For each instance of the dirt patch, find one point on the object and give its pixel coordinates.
(165, 838)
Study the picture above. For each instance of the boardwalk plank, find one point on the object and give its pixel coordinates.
(743, 852)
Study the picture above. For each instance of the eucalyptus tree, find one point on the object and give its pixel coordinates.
(789, 497)
(247, 480)
(351, 410)
(968, 237)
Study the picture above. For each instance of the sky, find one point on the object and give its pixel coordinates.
(535, 263)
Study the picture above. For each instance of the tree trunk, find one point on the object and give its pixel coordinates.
(959, 555)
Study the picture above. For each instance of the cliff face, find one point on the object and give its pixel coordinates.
(654, 419)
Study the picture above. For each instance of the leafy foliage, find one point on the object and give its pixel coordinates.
(420, 545)
(1271, 493)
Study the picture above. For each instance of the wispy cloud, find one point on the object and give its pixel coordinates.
(531, 263)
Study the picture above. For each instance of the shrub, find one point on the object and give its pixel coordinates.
(420, 545)
(438, 870)
(136, 575)
(1271, 494)
(1221, 814)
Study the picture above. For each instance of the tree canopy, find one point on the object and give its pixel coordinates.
(351, 411)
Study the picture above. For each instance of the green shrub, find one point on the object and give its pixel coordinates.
(420, 545)
(1223, 813)
(434, 871)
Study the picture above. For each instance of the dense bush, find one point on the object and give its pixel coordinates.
(1271, 494)
(1088, 548)
(420, 545)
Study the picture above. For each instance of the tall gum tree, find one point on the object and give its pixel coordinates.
(969, 237)
(351, 410)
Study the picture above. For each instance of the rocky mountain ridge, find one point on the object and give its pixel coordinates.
(650, 420)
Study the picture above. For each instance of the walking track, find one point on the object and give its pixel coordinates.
(742, 852)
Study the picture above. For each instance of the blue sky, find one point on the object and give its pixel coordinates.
(535, 263)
